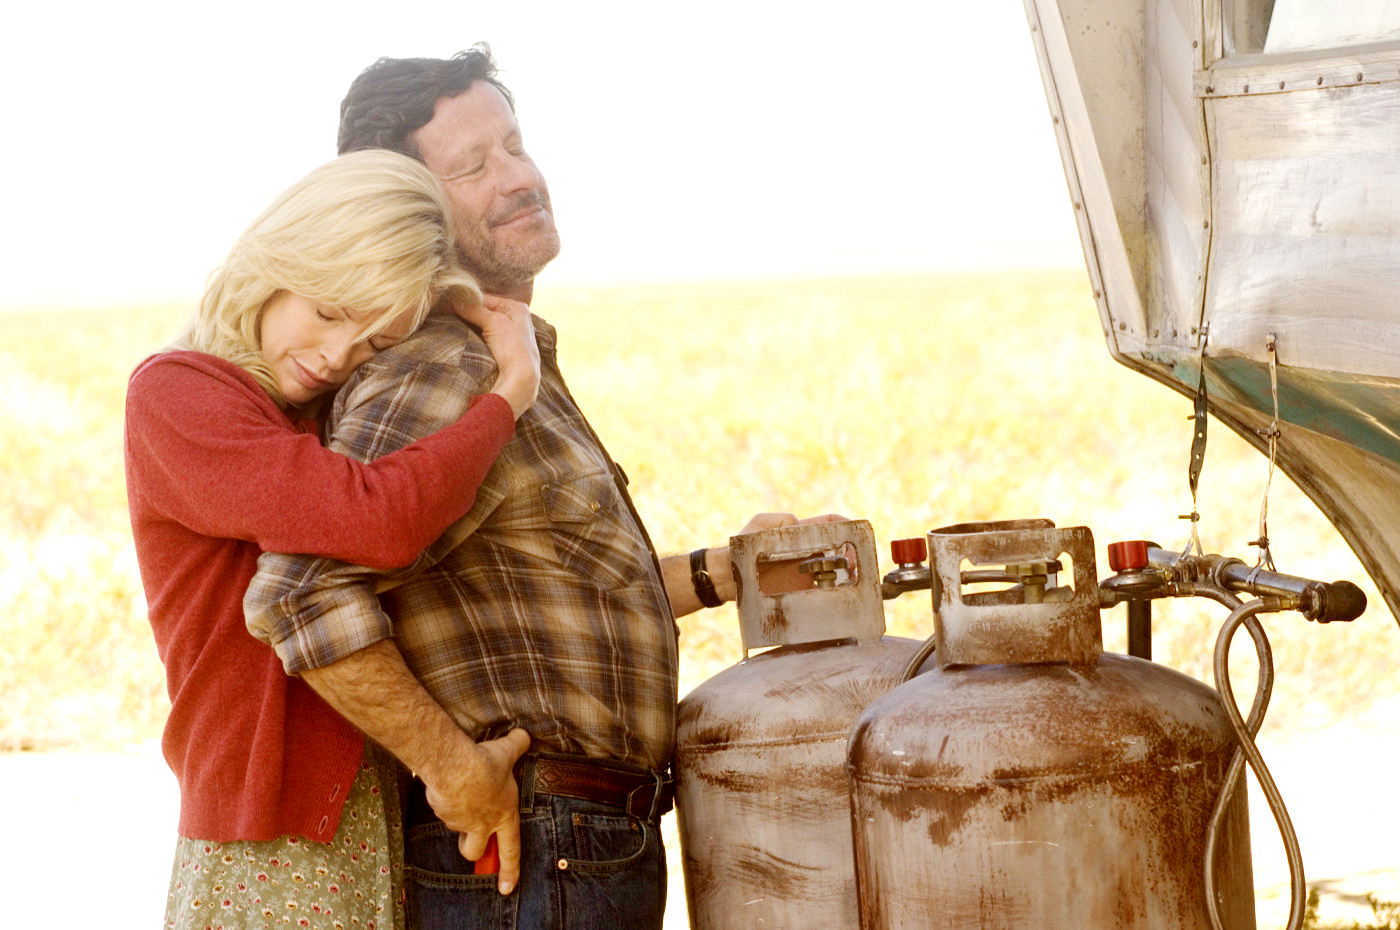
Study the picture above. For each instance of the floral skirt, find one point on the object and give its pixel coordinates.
(356, 880)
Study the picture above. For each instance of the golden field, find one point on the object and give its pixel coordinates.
(913, 402)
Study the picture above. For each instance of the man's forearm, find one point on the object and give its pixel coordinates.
(470, 785)
(680, 589)
(675, 569)
(375, 690)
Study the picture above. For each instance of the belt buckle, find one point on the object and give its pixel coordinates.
(658, 806)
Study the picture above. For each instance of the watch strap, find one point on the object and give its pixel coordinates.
(700, 578)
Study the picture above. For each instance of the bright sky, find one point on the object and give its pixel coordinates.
(733, 138)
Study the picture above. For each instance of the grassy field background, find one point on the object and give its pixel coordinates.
(912, 402)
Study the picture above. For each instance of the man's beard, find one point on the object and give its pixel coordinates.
(499, 266)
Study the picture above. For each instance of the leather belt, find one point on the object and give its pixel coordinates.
(644, 795)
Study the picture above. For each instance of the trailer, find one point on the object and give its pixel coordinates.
(1234, 167)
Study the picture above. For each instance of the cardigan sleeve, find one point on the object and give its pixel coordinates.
(209, 449)
(317, 611)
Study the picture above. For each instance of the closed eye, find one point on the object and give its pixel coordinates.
(465, 174)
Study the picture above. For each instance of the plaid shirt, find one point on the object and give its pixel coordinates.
(542, 608)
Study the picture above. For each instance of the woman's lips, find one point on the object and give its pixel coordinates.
(309, 381)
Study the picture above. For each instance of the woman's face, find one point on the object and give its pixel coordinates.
(313, 347)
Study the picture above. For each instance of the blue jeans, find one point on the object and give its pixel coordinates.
(584, 866)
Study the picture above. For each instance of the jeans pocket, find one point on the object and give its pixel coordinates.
(606, 842)
(443, 893)
(617, 876)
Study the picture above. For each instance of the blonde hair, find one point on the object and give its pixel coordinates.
(370, 231)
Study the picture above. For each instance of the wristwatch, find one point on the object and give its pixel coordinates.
(700, 578)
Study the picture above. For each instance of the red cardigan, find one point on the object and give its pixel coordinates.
(216, 473)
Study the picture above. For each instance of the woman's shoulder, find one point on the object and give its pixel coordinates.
(189, 366)
(177, 378)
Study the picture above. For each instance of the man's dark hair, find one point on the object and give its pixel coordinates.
(395, 96)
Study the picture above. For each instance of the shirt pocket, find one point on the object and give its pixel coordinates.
(591, 529)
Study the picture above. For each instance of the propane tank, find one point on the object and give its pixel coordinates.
(762, 796)
(1030, 780)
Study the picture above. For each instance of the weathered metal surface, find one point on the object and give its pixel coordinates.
(1064, 789)
(980, 627)
(1045, 797)
(761, 791)
(850, 608)
(1222, 187)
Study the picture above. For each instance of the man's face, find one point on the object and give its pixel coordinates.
(500, 204)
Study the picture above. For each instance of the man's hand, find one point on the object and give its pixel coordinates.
(470, 785)
(770, 521)
(510, 335)
(779, 577)
(482, 799)
(675, 569)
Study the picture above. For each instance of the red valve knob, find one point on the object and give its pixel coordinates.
(1129, 555)
(909, 551)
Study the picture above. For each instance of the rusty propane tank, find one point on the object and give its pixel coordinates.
(762, 797)
(1031, 781)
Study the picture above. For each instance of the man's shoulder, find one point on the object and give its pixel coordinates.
(442, 343)
(440, 340)
(417, 386)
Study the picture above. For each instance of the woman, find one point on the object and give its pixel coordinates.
(282, 805)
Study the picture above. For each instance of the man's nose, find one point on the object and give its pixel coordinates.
(518, 174)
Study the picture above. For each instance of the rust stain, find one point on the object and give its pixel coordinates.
(755, 867)
(952, 811)
(1120, 753)
(774, 621)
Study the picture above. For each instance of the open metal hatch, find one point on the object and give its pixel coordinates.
(1235, 173)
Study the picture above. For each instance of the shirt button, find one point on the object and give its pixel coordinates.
(563, 864)
(595, 506)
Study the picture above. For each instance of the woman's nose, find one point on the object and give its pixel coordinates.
(338, 353)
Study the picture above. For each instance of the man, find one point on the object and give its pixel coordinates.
(543, 620)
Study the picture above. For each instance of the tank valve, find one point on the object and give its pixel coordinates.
(823, 569)
(912, 574)
(1133, 572)
(1037, 580)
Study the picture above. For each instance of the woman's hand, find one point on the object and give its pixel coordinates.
(510, 335)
